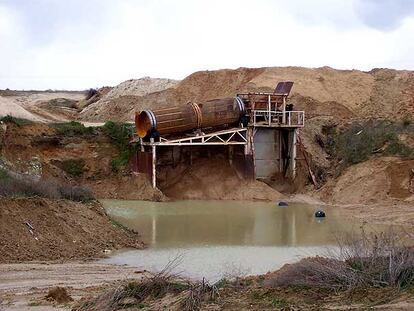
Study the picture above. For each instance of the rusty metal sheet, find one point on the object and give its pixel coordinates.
(284, 87)
(141, 162)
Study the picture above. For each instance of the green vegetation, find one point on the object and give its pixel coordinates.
(74, 167)
(120, 133)
(73, 128)
(3, 174)
(358, 142)
(14, 120)
(279, 302)
(18, 187)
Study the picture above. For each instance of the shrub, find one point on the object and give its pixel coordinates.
(73, 128)
(90, 93)
(14, 120)
(13, 187)
(16, 187)
(120, 133)
(377, 260)
(74, 167)
(76, 193)
(358, 142)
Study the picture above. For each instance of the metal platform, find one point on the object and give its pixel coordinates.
(286, 119)
(234, 136)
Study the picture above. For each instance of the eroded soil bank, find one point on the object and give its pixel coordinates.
(44, 229)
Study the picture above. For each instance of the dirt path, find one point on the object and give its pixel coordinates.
(24, 286)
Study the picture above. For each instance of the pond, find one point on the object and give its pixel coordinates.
(216, 239)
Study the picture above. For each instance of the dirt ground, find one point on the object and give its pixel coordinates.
(43, 229)
(24, 286)
(40, 106)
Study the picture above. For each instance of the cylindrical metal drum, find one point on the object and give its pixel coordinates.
(192, 116)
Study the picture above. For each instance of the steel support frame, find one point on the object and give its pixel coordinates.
(211, 139)
(215, 138)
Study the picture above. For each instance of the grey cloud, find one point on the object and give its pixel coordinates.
(384, 15)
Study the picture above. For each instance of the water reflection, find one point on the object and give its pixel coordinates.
(207, 223)
(220, 238)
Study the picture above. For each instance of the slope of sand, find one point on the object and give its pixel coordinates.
(43, 229)
(213, 179)
(379, 180)
(378, 93)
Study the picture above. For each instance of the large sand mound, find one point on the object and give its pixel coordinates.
(378, 93)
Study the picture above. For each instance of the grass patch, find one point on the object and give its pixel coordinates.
(358, 142)
(14, 120)
(279, 302)
(120, 134)
(74, 167)
(73, 128)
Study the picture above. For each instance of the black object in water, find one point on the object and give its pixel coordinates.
(320, 214)
(283, 204)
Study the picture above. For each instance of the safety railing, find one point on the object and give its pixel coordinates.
(278, 118)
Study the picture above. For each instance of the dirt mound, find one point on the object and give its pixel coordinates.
(140, 87)
(42, 229)
(125, 187)
(382, 92)
(213, 179)
(374, 181)
(58, 294)
(130, 88)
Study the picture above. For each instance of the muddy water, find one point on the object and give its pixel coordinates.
(215, 239)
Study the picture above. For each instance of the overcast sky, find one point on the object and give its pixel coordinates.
(78, 44)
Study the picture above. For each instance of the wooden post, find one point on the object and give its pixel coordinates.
(293, 156)
(231, 154)
(284, 110)
(154, 164)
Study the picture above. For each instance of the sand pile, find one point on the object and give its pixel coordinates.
(374, 181)
(213, 179)
(140, 87)
(43, 229)
(378, 93)
(130, 88)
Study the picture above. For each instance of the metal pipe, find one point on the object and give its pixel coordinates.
(192, 116)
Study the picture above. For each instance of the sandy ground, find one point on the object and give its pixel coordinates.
(23, 286)
(27, 105)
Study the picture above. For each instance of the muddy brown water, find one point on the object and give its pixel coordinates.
(216, 239)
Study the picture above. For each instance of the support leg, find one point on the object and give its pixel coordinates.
(154, 168)
(293, 156)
